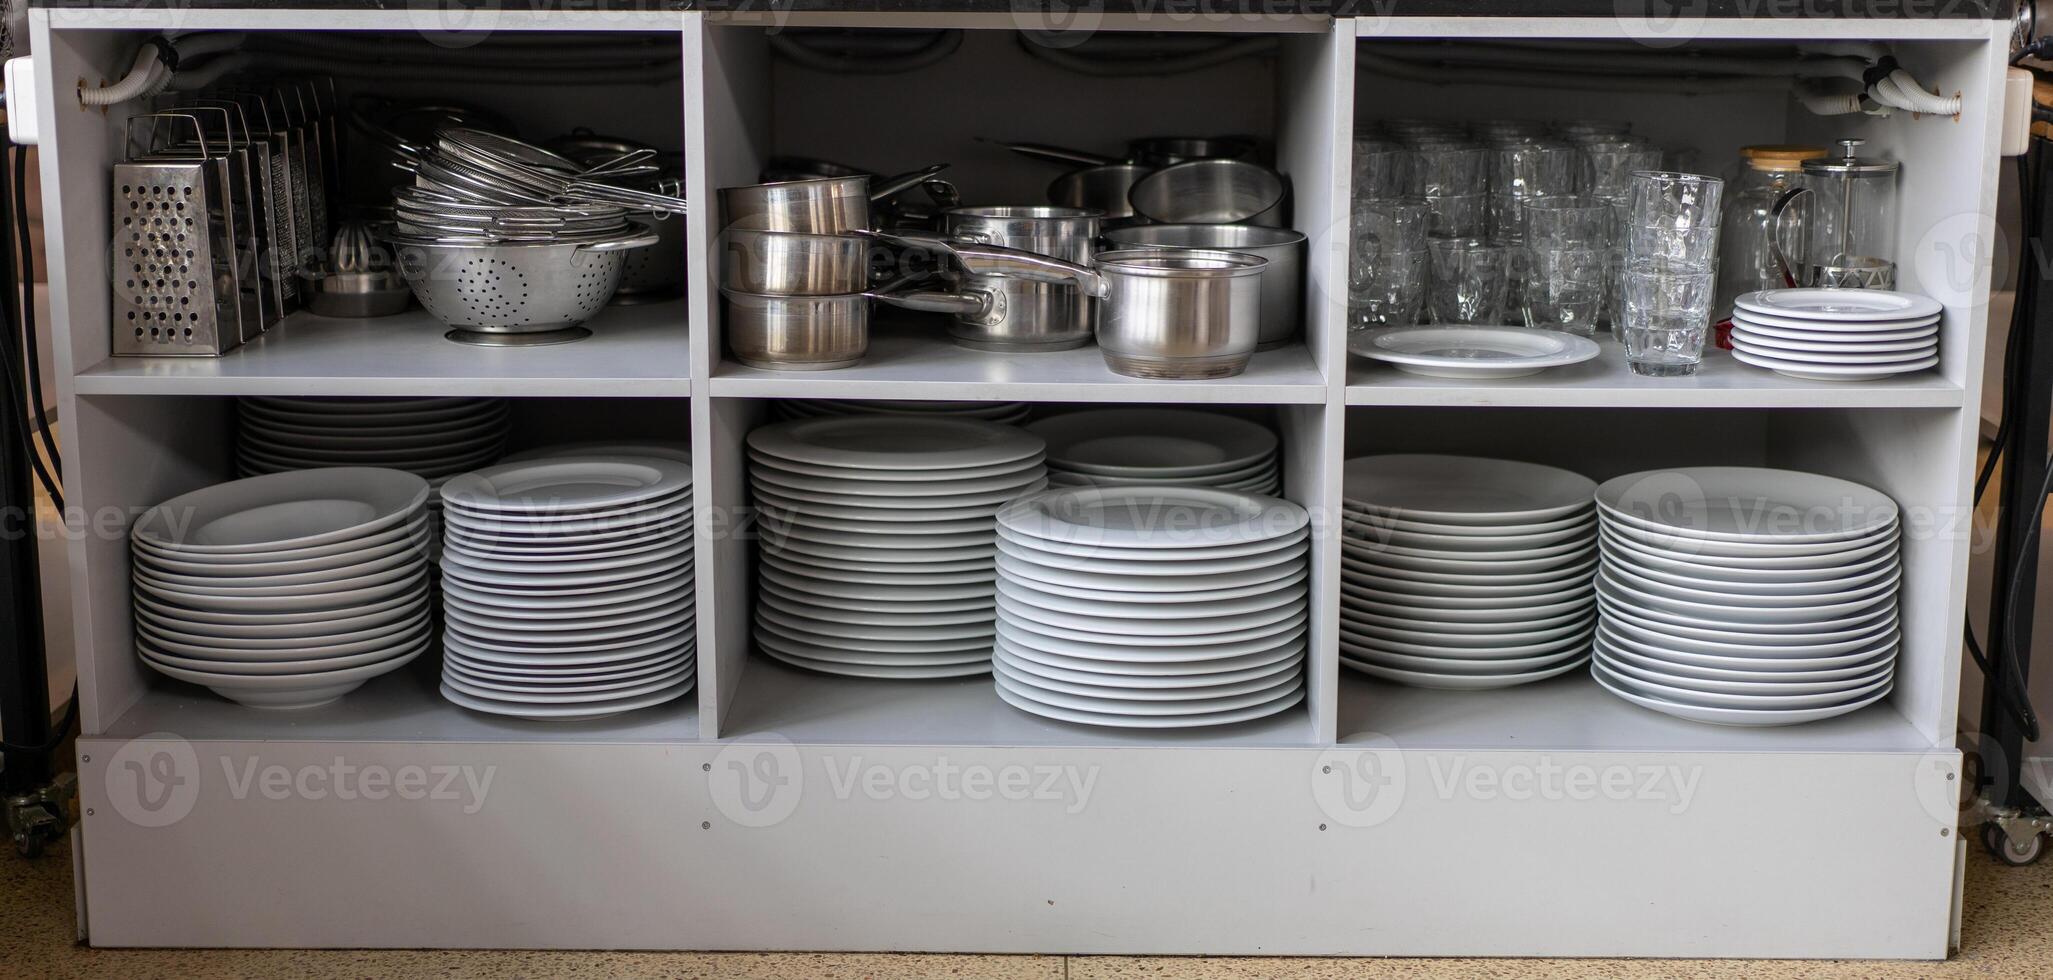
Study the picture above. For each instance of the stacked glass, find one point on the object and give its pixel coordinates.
(1566, 269)
(1470, 281)
(1671, 262)
(1608, 165)
(1388, 266)
(1448, 174)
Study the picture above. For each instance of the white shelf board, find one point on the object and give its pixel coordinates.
(811, 708)
(916, 360)
(1572, 713)
(404, 706)
(1722, 382)
(634, 351)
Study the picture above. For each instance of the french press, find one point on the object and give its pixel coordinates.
(1850, 219)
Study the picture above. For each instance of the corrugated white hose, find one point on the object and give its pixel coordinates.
(1823, 103)
(1901, 90)
(133, 85)
(201, 45)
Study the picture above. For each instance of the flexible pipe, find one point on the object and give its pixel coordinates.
(192, 46)
(1398, 68)
(1823, 103)
(207, 74)
(1127, 67)
(809, 56)
(1901, 90)
(1632, 62)
(130, 86)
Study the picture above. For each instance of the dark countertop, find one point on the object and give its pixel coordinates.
(1797, 9)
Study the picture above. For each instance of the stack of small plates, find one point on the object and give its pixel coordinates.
(1151, 607)
(1010, 413)
(435, 438)
(567, 586)
(1162, 446)
(1465, 574)
(1741, 596)
(876, 540)
(288, 590)
(1836, 334)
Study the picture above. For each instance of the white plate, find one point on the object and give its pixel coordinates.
(1393, 562)
(283, 511)
(1361, 646)
(1836, 358)
(1033, 688)
(607, 658)
(1740, 717)
(1716, 699)
(375, 572)
(1257, 472)
(1147, 687)
(1744, 504)
(1740, 669)
(803, 551)
(578, 633)
(564, 617)
(1024, 635)
(777, 516)
(1408, 588)
(799, 624)
(567, 712)
(1153, 443)
(873, 613)
(1152, 517)
(415, 543)
(1763, 546)
(675, 451)
(1165, 600)
(286, 691)
(864, 594)
(941, 489)
(1154, 586)
(1143, 608)
(1748, 634)
(1777, 567)
(1469, 666)
(1737, 655)
(1471, 352)
(605, 673)
(874, 442)
(1463, 489)
(1463, 621)
(1194, 567)
(810, 471)
(1031, 706)
(672, 516)
(594, 695)
(1742, 616)
(890, 672)
(1461, 682)
(1364, 522)
(1839, 305)
(415, 529)
(1114, 620)
(1872, 587)
(1036, 622)
(889, 538)
(566, 485)
(912, 655)
(965, 645)
(879, 509)
(1529, 610)
(551, 577)
(1352, 592)
(1486, 575)
(981, 574)
(202, 640)
(1811, 332)
(1114, 557)
(1766, 584)
(1797, 349)
(156, 650)
(1167, 673)
(1472, 639)
(331, 603)
(1829, 372)
(1624, 665)
(1493, 544)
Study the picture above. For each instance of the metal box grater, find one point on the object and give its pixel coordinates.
(175, 290)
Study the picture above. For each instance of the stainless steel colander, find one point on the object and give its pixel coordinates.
(515, 294)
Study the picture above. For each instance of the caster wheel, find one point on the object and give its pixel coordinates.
(2000, 847)
(29, 846)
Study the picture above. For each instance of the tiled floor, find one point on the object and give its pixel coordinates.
(2008, 933)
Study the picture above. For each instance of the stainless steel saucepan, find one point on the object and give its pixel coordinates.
(1148, 151)
(1213, 192)
(1283, 279)
(818, 333)
(816, 206)
(1102, 188)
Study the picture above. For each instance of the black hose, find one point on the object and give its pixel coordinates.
(57, 735)
(11, 381)
(29, 344)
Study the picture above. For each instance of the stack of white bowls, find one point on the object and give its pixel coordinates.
(567, 586)
(1151, 607)
(1836, 334)
(1107, 447)
(1462, 573)
(876, 540)
(1009, 413)
(1735, 595)
(434, 438)
(288, 590)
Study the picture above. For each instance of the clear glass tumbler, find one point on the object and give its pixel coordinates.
(1672, 221)
(1564, 288)
(1446, 168)
(1666, 319)
(1534, 168)
(1382, 169)
(1471, 281)
(1609, 163)
(1567, 222)
(1389, 291)
(1458, 215)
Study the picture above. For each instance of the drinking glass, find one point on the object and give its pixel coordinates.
(1567, 222)
(1493, 130)
(1667, 315)
(1443, 168)
(1570, 128)
(1609, 163)
(1470, 281)
(1563, 288)
(1457, 215)
(1672, 221)
(1534, 168)
(1394, 225)
(1382, 169)
(1389, 291)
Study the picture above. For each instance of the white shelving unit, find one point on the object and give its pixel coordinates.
(785, 810)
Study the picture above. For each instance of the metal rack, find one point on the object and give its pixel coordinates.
(783, 810)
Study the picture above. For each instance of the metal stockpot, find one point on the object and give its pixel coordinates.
(1025, 315)
(1212, 192)
(1104, 188)
(1180, 314)
(818, 206)
(1283, 280)
(816, 333)
(788, 264)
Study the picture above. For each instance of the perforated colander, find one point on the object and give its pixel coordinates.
(515, 293)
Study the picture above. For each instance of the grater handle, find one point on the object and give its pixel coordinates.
(198, 130)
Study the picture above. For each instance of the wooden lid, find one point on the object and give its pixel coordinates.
(1782, 156)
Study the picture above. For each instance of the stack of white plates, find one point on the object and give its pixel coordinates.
(435, 438)
(1836, 334)
(1742, 596)
(876, 540)
(1010, 413)
(1162, 446)
(567, 588)
(288, 590)
(1151, 607)
(1465, 574)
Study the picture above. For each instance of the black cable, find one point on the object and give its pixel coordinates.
(2028, 720)
(26, 242)
(8, 365)
(57, 735)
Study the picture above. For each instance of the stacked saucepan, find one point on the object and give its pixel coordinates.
(512, 244)
(1170, 180)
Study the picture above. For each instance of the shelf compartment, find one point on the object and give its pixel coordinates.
(911, 361)
(807, 707)
(1723, 382)
(403, 706)
(633, 351)
(1572, 714)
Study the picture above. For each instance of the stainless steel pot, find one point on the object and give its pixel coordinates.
(817, 333)
(817, 206)
(787, 264)
(1182, 314)
(1149, 151)
(1212, 192)
(1104, 188)
(1283, 279)
(1020, 314)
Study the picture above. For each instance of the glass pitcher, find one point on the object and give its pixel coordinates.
(1747, 257)
(1849, 208)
